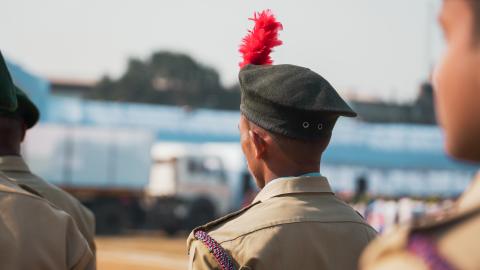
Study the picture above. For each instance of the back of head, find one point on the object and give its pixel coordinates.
(302, 151)
(297, 107)
(291, 110)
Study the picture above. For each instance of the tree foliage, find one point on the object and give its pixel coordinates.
(171, 79)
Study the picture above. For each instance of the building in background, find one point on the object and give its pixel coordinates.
(420, 111)
(71, 88)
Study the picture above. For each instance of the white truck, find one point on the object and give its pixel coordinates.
(131, 182)
(194, 181)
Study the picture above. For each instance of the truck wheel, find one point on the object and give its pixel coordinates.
(162, 216)
(171, 230)
(200, 212)
(110, 218)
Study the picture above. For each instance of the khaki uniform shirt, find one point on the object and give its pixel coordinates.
(293, 223)
(16, 168)
(456, 233)
(34, 234)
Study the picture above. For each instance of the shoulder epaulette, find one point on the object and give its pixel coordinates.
(443, 219)
(220, 255)
(30, 189)
(212, 224)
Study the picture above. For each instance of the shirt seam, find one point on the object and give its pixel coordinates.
(15, 170)
(31, 196)
(283, 222)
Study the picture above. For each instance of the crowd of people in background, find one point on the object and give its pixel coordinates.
(384, 213)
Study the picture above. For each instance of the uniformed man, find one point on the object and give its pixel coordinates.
(450, 240)
(13, 126)
(34, 234)
(295, 222)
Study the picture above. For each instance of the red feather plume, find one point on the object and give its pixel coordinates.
(259, 42)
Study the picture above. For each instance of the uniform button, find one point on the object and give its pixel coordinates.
(320, 126)
(306, 124)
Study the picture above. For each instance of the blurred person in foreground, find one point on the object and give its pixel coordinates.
(14, 126)
(295, 222)
(450, 240)
(34, 234)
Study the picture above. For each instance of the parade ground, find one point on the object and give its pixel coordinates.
(141, 252)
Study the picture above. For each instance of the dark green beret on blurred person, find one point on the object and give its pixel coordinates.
(13, 101)
(8, 100)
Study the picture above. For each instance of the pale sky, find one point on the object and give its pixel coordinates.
(365, 47)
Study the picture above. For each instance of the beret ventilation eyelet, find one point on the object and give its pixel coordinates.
(306, 124)
(320, 126)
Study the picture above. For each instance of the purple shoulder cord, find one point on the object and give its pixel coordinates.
(426, 249)
(220, 255)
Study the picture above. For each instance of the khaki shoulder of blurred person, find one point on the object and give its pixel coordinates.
(453, 237)
(16, 168)
(34, 234)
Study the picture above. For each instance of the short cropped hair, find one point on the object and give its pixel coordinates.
(304, 151)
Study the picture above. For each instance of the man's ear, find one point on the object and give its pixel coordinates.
(259, 143)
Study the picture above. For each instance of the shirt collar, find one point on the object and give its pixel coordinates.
(13, 163)
(290, 177)
(290, 185)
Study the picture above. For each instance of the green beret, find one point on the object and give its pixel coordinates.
(290, 100)
(8, 100)
(13, 101)
(26, 109)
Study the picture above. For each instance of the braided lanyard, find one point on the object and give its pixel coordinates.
(426, 249)
(220, 255)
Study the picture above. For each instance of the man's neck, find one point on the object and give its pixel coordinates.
(8, 150)
(270, 175)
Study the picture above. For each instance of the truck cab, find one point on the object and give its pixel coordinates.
(188, 187)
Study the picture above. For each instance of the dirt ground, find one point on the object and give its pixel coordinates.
(141, 252)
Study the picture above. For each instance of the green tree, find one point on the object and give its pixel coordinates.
(169, 78)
